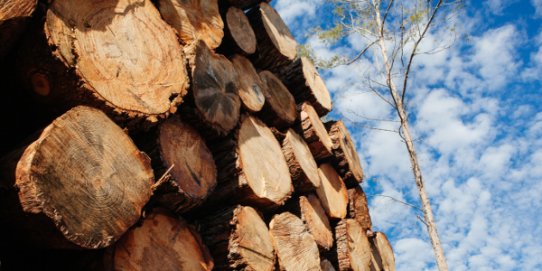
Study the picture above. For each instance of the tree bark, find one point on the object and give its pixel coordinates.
(332, 192)
(239, 36)
(303, 168)
(194, 20)
(85, 54)
(295, 246)
(14, 15)
(353, 247)
(315, 133)
(161, 242)
(358, 208)
(382, 252)
(276, 47)
(302, 78)
(83, 181)
(251, 87)
(344, 152)
(279, 109)
(238, 239)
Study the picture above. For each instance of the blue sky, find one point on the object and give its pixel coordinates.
(476, 110)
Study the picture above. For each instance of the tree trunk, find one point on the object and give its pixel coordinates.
(193, 171)
(344, 152)
(239, 36)
(133, 73)
(382, 252)
(358, 208)
(238, 239)
(276, 47)
(295, 246)
(303, 168)
(332, 192)
(251, 87)
(161, 242)
(194, 20)
(326, 265)
(315, 133)
(14, 15)
(302, 78)
(353, 247)
(84, 175)
(251, 168)
(279, 109)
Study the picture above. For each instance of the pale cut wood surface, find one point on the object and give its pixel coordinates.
(332, 192)
(239, 34)
(384, 258)
(279, 109)
(315, 218)
(303, 168)
(353, 247)
(314, 132)
(344, 150)
(251, 87)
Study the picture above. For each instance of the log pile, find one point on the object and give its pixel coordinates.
(173, 135)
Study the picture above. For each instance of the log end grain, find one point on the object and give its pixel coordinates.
(353, 247)
(240, 32)
(382, 252)
(303, 168)
(344, 151)
(315, 218)
(279, 109)
(250, 85)
(315, 133)
(332, 192)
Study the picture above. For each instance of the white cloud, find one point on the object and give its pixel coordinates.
(537, 4)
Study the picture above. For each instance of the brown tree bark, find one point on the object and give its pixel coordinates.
(194, 20)
(315, 133)
(382, 252)
(303, 168)
(85, 54)
(14, 15)
(279, 109)
(295, 246)
(81, 183)
(358, 208)
(353, 247)
(344, 152)
(238, 239)
(251, 87)
(302, 78)
(332, 192)
(239, 36)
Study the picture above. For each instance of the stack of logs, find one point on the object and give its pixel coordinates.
(182, 135)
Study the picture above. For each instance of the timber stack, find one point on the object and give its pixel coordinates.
(172, 135)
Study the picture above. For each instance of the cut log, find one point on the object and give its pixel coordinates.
(302, 78)
(358, 208)
(311, 212)
(332, 192)
(251, 167)
(326, 265)
(239, 36)
(250, 85)
(194, 20)
(238, 239)
(14, 15)
(295, 246)
(245, 4)
(161, 242)
(279, 109)
(193, 171)
(353, 247)
(303, 168)
(133, 73)
(214, 89)
(315, 133)
(382, 252)
(344, 151)
(276, 47)
(83, 175)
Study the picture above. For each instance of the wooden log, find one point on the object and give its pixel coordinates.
(326, 265)
(315, 133)
(295, 246)
(279, 109)
(303, 168)
(82, 182)
(249, 83)
(214, 90)
(353, 247)
(91, 57)
(382, 252)
(161, 242)
(313, 215)
(194, 20)
(302, 78)
(238, 239)
(193, 171)
(251, 167)
(239, 36)
(358, 208)
(14, 15)
(276, 47)
(344, 152)
(332, 192)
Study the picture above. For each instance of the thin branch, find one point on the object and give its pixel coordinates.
(397, 200)
(362, 52)
(385, 16)
(371, 119)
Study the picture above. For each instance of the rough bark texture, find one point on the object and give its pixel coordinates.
(276, 47)
(358, 208)
(313, 215)
(14, 15)
(238, 239)
(302, 78)
(193, 171)
(303, 168)
(353, 247)
(239, 36)
(344, 151)
(90, 57)
(194, 20)
(161, 242)
(332, 192)
(382, 252)
(315, 133)
(279, 109)
(251, 87)
(85, 175)
(295, 246)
